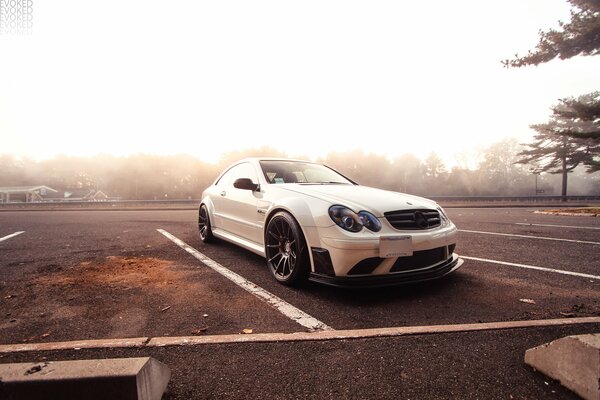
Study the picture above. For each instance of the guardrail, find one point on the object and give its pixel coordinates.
(105, 203)
(194, 203)
(515, 198)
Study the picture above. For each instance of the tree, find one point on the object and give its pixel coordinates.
(365, 169)
(584, 111)
(579, 36)
(498, 169)
(408, 170)
(584, 114)
(556, 152)
(434, 166)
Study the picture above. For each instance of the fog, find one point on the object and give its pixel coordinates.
(154, 177)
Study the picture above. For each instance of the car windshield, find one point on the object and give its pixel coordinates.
(301, 172)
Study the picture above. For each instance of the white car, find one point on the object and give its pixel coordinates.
(310, 221)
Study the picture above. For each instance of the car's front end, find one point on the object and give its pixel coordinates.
(398, 239)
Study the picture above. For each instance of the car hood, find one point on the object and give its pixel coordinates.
(358, 198)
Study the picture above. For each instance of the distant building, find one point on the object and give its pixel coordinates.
(29, 194)
(78, 195)
(25, 194)
(85, 195)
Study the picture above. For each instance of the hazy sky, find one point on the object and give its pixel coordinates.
(306, 77)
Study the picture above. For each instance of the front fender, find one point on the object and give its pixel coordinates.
(308, 213)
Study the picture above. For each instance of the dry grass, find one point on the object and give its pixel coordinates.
(120, 272)
(586, 210)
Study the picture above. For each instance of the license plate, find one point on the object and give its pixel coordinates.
(395, 246)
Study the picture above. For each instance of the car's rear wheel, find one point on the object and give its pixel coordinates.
(286, 250)
(204, 225)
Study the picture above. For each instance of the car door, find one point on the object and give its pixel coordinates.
(238, 207)
(216, 195)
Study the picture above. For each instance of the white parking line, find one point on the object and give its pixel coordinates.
(556, 271)
(12, 235)
(282, 306)
(529, 237)
(559, 226)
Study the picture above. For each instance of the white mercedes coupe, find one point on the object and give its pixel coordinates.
(310, 221)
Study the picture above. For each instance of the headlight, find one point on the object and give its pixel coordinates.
(347, 219)
(369, 221)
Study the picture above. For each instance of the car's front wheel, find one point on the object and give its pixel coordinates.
(286, 250)
(204, 225)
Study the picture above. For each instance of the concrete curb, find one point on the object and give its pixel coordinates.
(573, 360)
(292, 337)
(75, 345)
(141, 378)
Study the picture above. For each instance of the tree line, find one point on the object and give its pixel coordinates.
(153, 177)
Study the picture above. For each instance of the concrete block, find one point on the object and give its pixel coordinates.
(119, 378)
(572, 360)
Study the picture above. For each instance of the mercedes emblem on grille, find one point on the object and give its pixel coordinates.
(421, 220)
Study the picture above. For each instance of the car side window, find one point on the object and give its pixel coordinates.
(226, 177)
(244, 170)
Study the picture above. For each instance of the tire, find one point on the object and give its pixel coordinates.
(286, 250)
(204, 225)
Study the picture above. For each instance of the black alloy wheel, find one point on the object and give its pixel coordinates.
(287, 255)
(204, 225)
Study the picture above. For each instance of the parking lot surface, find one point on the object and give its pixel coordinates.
(73, 275)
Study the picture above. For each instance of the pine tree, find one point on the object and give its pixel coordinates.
(584, 114)
(584, 111)
(579, 36)
(554, 150)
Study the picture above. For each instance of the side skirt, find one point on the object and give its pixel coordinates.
(246, 244)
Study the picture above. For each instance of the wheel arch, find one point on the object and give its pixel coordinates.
(302, 216)
(210, 207)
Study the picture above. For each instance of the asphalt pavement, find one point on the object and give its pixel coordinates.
(75, 275)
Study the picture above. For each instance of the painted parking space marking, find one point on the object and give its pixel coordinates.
(529, 236)
(12, 235)
(281, 305)
(556, 271)
(559, 226)
(165, 341)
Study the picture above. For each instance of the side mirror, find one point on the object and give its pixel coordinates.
(245, 184)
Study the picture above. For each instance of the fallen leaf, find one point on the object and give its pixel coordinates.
(247, 331)
(199, 330)
(35, 368)
(528, 301)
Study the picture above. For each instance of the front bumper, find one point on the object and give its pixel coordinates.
(347, 250)
(391, 279)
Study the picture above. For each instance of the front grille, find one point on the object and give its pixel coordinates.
(420, 259)
(413, 219)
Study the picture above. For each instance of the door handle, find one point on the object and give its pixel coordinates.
(223, 193)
